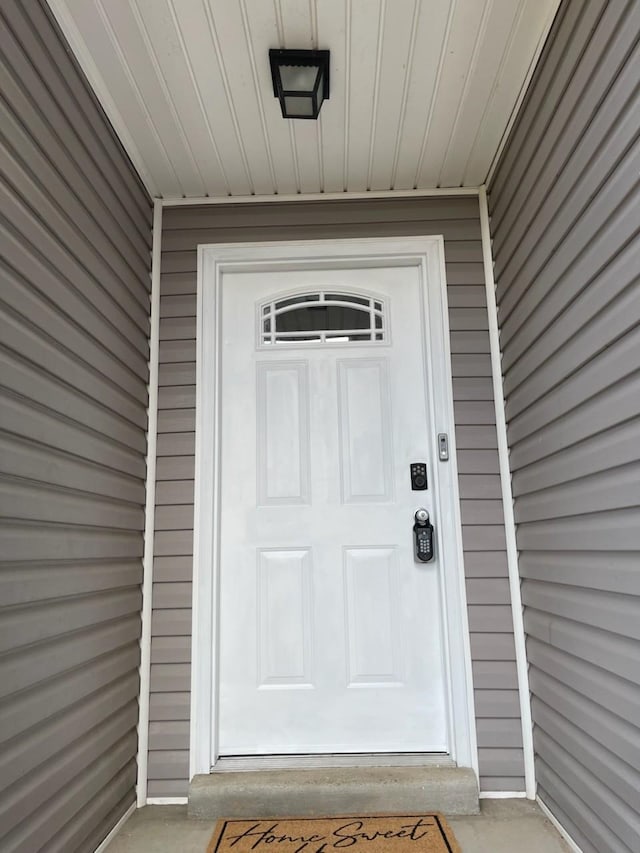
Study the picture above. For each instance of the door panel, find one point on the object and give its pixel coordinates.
(330, 631)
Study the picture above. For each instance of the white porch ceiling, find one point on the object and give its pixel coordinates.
(422, 91)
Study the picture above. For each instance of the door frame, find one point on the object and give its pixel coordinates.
(427, 254)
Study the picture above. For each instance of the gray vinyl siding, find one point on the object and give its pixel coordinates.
(565, 220)
(74, 307)
(184, 228)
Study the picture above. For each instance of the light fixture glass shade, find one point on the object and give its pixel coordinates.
(300, 81)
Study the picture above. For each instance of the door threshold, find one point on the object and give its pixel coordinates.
(238, 763)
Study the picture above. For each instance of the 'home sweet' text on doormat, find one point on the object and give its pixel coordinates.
(426, 833)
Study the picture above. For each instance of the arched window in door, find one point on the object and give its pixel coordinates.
(323, 318)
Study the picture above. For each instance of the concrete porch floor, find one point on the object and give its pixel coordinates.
(503, 826)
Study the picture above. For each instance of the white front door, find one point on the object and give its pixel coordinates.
(332, 634)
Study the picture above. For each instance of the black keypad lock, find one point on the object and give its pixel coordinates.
(418, 476)
(423, 536)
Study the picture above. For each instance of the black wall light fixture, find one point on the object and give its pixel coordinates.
(300, 81)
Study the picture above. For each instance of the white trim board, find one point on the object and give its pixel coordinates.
(503, 795)
(167, 801)
(427, 253)
(344, 196)
(149, 513)
(522, 666)
(116, 829)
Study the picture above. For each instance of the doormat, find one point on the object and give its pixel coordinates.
(425, 833)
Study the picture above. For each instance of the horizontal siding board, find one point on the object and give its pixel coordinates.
(177, 373)
(620, 655)
(32, 278)
(56, 734)
(67, 102)
(620, 819)
(183, 230)
(21, 584)
(170, 707)
(74, 305)
(26, 420)
(485, 564)
(499, 734)
(35, 384)
(610, 611)
(49, 319)
(614, 733)
(584, 569)
(572, 28)
(610, 409)
(55, 656)
(69, 803)
(497, 704)
(557, 170)
(619, 529)
(61, 769)
(615, 488)
(492, 646)
(173, 735)
(578, 820)
(33, 623)
(604, 230)
(168, 788)
(613, 449)
(502, 783)
(48, 245)
(607, 690)
(172, 569)
(495, 675)
(612, 771)
(171, 650)
(346, 212)
(481, 512)
(36, 501)
(488, 591)
(607, 308)
(24, 710)
(169, 595)
(176, 444)
(31, 345)
(41, 186)
(616, 363)
(470, 365)
(479, 486)
(172, 351)
(97, 196)
(35, 461)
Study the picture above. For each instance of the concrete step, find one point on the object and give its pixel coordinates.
(334, 791)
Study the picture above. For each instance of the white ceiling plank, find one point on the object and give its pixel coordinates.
(86, 60)
(261, 34)
(193, 23)
(226, 24)
(365, 30)
(298, 32)
(422, 91)
(131, 37)
(107, 55)
(499, 27)
(517, 66)
(395, 58)
(431, 38)
(469, 20)
(170, 54)
(332, 17)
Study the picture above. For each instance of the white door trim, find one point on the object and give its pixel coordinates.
(427, 253)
